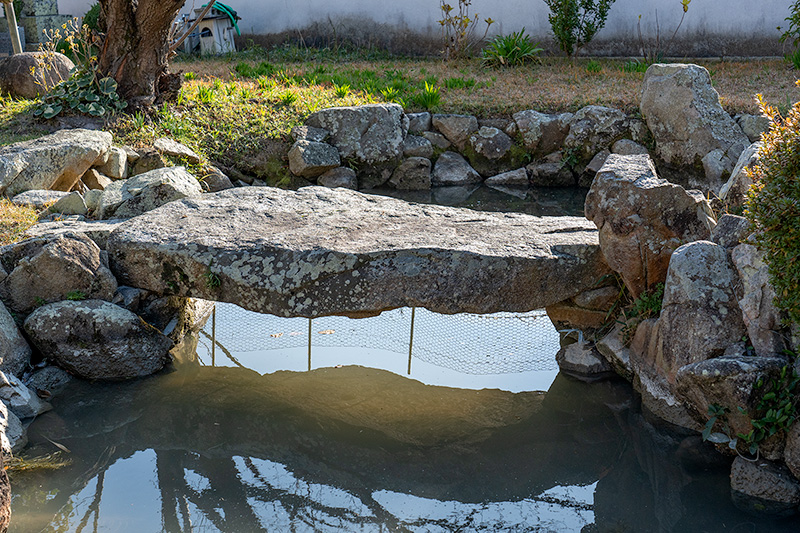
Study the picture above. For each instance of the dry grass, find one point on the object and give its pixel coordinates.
(14, 221)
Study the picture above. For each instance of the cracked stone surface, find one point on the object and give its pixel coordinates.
(319, 251)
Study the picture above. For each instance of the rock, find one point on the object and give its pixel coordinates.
(514, 178)
(517, 191)
(13, 436)
(116, 166)
(369, 134)
(95, 181)
(762, 318)
(541, 133)
(148, 160)
(372, 177)
(331, 251)
(764, 488)
(593, 129)
(98, 340)
(5, 497)
(734, 193)
(43, 271)
(133, 155)
(96, 230)
(568, 315)
(643, 218)
(582, 360)
(682, 110)
(550, 174)
(453, 194)
(727, 381)
(628, 147)
(509, 127)
(49, 381)
(601, 298)
(437, 139)
(15, 354)
(310, 159)
(593, 168)
(417, 147)
(452, 169)
(753, 125)
(19, 399)
(145, 192)
(215, 180)
(71, 204)
(731, 230)
(307, 133)
(23, 76)
(173, 148)
(339, 177)
(457, 128)
(92, 198)
(419, 122)
(55, 161)
(791, 453)
(413, 174)
(716, 165)
(489, 143)
(38, 199)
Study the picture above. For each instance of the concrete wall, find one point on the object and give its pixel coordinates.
(717, 23)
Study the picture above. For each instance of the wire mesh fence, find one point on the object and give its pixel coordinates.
(497, 343)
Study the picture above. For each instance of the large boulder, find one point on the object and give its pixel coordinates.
(309, 159)
(541, 133)
(456, 128)
(642, 219)
(96, 230)
(452, 169)
(30, 74)
(15, 353)
(683, 112)
(319, 251)
(55, 161)
(98, 340)
(48, 270)
(763, 487)
(368, 134)
(145, 192)
(595, 128)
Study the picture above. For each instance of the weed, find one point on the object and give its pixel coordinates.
(76, 295)
(458, 29)
(647, 305)
(288, 98)
(511, 50)
(206, 94)
(459, 83)
(655, 53)
(634, 65)
(429, 98)
(390, 94)
(594, 67)
(39, 301)
(212, 280)
(793, 58)
(189, 76)
(341, 90)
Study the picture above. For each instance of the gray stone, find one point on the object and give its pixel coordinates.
(716, 165)
(541, 133)
(582, 360)
(437, 139)
(489, 143)
(94, 339)
(320, 251)
(13, 436)
(148, 160)
(413, 174)
(457, 128)
(628, 147)
(594, 166)
(43, 270)
(133, 155)
(19, 399)
(49, 381)
(307, 133)
(116, 166)
(753, 125)
(551, 174)
(173, 148)
(762, 318)
(452, 169)
(731, 230)
(23, 76)
(92, 198)
(95, 181)
(764, 488)
(417, 147)
(145, 192)
(503, 124)
(71, 204)
(309, 159)
(96, 230)
(515, 178)
(595, 128)
(214, 180)
(419, 122)
(55, 161)
(683, 111)
(616, 352)
(643, 218)
(38, 199)
(791, 452)
(734, 193)
(369, 134)
(453, 195)
(339, 177)
(15, 354)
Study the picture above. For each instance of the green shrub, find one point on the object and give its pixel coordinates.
(773, 205)
(575, 22)
(92, 17)
(594, 67)
(511, 50)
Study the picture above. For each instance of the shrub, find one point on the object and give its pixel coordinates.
(773, 205)
(575, 22)
(92, 17)
(458, 28)
(511, 50)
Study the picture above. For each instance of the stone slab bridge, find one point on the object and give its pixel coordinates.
(319, 251)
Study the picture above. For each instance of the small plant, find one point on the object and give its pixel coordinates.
(575, 22)
(429, 97)
(341, 90)
(594, 67)
(92, 18)
(76, 296)
(458, 28)
(288, 98)
(634, 65)
(265, 83)
(792, 33)
(189, 76)
(793, 58)
(647, 305)
(655, 53)
(39, 301)
(206, 94)
(511, 50)
(459, 83)
(390, 94)
(212, 280)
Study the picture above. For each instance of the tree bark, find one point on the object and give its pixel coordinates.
(136, 47)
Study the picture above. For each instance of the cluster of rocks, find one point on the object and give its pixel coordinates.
(717, 333)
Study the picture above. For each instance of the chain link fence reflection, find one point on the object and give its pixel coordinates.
(498, 343)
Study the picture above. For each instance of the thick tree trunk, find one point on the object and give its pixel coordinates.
(136, 47)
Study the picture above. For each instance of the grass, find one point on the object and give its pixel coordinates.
(14, 221)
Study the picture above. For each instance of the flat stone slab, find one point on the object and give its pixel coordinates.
(319, 251)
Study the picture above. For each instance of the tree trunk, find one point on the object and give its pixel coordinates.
(136, 47)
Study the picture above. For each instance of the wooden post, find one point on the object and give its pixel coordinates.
(11, 17)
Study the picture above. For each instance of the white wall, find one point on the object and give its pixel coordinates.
(731, 18)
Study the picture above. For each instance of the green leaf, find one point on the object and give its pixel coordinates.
(108, 86)
(91, 97)
(51, 111)
(96, 110)
(718, 438)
